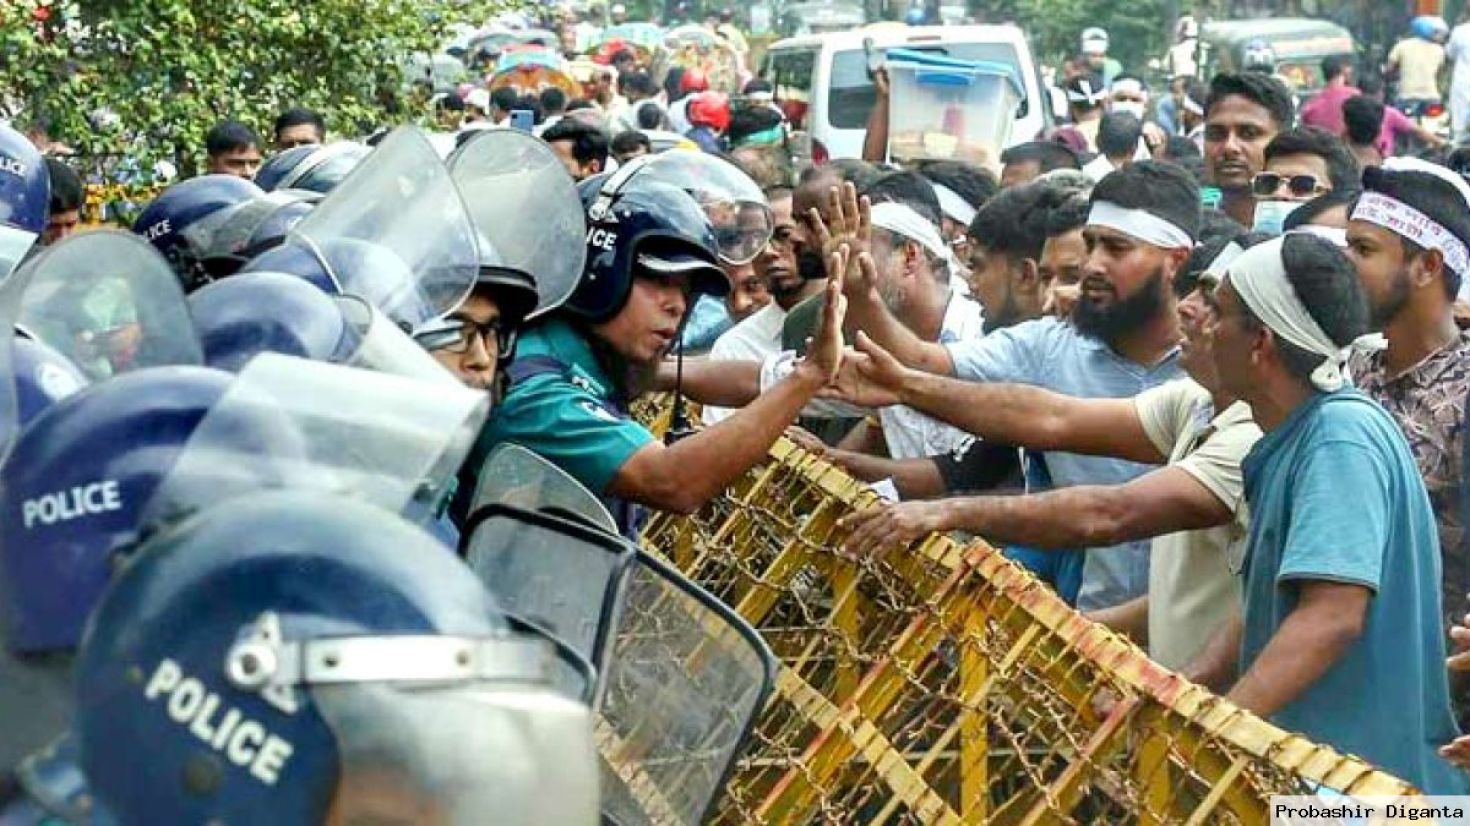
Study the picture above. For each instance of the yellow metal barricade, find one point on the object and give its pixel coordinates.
(115, 204)
(947, 685)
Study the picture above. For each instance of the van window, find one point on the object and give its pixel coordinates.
(790, 72)
(851, 96)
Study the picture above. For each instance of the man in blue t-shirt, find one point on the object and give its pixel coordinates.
(1341, 636)
(1122, 339)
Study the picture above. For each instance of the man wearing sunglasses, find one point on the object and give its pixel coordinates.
(1301, 164)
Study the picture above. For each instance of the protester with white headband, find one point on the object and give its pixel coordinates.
(1122, 338)
(1195, 505)
(1408, 239)
(961, 189)
(1341, 571)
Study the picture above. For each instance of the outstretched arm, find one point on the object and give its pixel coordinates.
(1015, 414)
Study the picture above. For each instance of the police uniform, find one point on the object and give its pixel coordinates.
(562, 404)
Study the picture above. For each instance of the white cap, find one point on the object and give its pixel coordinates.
(478, 98)
(619, 8)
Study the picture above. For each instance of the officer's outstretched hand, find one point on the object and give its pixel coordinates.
(824, 351)
(869, 377)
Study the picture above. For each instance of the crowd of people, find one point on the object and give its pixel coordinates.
(1193, 359)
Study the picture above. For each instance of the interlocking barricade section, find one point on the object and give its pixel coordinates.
(944, 684)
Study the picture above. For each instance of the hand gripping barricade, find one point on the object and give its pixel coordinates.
(680, 677)
(531, 258)
(395, 233)
(25, 197)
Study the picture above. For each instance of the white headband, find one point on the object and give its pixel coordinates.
(1145, 226)
(1221, 261)
(1087, 95)
(1420, 165)
(1336, 235)
(955, 207)
(902, 220)
(1259, 277)
(1400, 218)
(1128, 85)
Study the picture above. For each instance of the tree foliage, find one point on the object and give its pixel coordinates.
(146, 80)
(1137, 30)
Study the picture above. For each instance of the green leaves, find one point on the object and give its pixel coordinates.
(165, 71)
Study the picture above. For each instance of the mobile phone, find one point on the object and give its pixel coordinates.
(875, 56)
(522, 119)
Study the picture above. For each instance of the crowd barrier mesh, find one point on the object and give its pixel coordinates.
(944, 684)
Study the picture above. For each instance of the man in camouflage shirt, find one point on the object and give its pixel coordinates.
(1410, 239)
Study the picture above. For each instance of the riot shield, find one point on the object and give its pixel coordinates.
(385, 439)
(401, 201)
(546, 241)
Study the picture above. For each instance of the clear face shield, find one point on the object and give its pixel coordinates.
(734, 203)
(14, 244)
(401, 199)
(433, 729)
(545, 241)
(289, 423)
(680, 676)
(221, 241)
(382, 346)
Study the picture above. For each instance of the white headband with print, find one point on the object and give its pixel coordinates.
(901, 219)
(957, 209)
(1145, 226)
(1258, 276)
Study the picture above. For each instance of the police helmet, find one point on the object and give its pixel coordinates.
(317, 660)
(312, 167)
(25, 196)
(643, 224)
(76, 481)
(219, 244)
(347, 266)
(42, 377)
(164, 221)
(254, 312)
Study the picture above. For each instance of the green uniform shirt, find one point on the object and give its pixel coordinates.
(566, 416)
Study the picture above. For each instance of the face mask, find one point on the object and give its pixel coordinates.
(1131, 107)
(1270, 215)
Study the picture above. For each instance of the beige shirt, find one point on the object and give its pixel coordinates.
(1192, 587)
(1418, 62)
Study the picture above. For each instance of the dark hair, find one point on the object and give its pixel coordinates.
(1371, 85)
(298, 116)
(749, 120)
(1049, 154)
(622, 56)
(1315, 208)
(768, 166)
(1014, 222)
(1069, 215)
(1159, 188)
(757, 85)
(672, 81)
(1214, 223)
(638, 82)
(1198, 92)
(579, 105)
(553, 101)
(1342, 167)
(67, 193)
(1261, 89)
(1363, 117)
(629, 141)
(908, 188)
(650, 115)
(230, 136)
(1328, 286)
(974, 184)
(1334, 65)
(589, 143)
(504, 99)
(1179, 148)
(1118, 134)
(532, 103)
(1205, 254)
(1437, 199)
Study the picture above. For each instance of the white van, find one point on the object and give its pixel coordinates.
(822, 84)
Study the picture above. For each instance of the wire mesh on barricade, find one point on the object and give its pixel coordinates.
(945, 684)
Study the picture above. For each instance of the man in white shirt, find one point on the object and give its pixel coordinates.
(759, 336)
(1458, 51)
